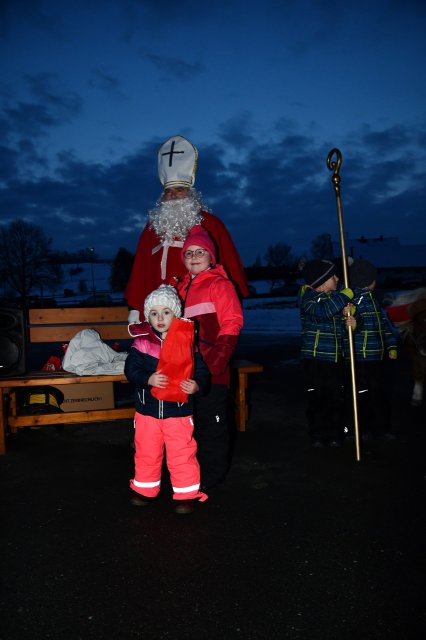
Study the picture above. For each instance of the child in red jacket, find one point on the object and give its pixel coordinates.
(211, 301)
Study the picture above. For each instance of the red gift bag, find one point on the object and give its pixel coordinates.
(176, 360)
(52, 364)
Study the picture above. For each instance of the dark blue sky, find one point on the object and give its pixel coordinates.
(265, 89)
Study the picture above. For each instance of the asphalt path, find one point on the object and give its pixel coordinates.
(297, 543)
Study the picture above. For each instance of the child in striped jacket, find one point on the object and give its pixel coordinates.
(374, 343)
(322, 310)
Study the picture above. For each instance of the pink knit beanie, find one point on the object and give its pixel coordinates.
(199, 237)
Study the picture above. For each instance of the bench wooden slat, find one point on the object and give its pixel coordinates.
(98, 415)
(56, 379)
(76, 315)
(61, 324)
(64, 333)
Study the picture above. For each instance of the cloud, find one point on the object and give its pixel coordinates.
(52, 107)
(388, 140)
(28, 12)
(8, 164)
(31, 119)
(109, 84)
(278, 190)
(238, 131)
(287, 194)
(46, 87)
(173, 67)
(160, 15)
(104, 206)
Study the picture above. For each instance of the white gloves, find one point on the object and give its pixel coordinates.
(134, 317)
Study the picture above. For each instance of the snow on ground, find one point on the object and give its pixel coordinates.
(270, 320)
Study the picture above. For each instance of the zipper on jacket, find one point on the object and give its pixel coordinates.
(187, 290)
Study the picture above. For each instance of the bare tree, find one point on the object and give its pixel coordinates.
(279, 257)
(322, 247)
(25, 260)
(120, 270)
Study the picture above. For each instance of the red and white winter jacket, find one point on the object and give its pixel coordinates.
(210, 299)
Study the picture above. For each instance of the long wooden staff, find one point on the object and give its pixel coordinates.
(334, 165)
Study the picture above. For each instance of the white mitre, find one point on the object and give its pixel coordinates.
(177, 163)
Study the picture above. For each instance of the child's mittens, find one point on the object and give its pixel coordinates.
(348, 293)
(218, 358)
(393, 354)
(134, 317)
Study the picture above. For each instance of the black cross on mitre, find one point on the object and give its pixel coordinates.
(171, 153)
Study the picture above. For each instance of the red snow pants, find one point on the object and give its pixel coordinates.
(151, 436)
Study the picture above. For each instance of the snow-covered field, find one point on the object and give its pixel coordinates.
(270, 320)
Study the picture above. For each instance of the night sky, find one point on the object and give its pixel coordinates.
(89, 90)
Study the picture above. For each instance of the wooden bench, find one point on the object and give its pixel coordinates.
(243, 369)
(60, 325)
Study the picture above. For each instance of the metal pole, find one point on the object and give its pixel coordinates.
(334, 165)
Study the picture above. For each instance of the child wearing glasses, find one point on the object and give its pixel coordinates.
(210, 299)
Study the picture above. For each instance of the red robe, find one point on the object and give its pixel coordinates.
(155, 264)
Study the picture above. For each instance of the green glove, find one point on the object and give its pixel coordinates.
(348, 292)
(393, 354)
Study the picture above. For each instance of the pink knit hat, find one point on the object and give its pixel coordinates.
(199, 237)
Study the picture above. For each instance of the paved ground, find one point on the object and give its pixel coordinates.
(298, 543)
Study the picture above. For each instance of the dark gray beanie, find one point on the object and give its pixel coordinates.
(362, 273)
(316, 272)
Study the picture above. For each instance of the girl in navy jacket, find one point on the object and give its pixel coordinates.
(160, 422)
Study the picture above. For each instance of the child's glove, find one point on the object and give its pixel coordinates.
(393, 354)
(134, 317)
(218, 358)
(348, 292)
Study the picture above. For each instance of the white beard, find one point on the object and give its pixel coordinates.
(174, 219)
